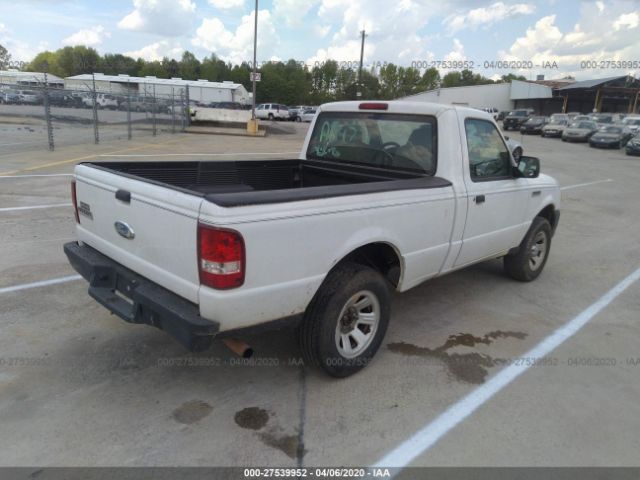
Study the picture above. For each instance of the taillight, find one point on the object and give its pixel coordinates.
(221, 257)
(74, 200)
(373, 106)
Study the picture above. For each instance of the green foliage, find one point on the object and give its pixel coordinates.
(291, 82)
(5, 58)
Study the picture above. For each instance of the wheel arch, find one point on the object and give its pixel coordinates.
(382, 256)
(549, 213)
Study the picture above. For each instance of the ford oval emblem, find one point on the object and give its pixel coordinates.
(124, 230)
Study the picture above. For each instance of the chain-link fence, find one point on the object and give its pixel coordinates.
(41, 116)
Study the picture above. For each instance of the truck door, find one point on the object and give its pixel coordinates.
(497, 201)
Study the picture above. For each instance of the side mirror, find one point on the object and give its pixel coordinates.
(528, 167)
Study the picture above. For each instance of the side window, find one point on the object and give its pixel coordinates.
(488, 155)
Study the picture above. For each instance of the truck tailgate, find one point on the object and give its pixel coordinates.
(154, 233)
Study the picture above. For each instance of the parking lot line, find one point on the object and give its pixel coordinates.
(569, 187)
(38, 175)
(34, 207)
(86, 157)
(431, 433)
(43, 283)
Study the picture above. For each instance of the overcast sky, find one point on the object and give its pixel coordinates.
(402, 31)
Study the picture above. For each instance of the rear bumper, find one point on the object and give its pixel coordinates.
(136, 299)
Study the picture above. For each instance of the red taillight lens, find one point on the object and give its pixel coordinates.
(74, 200)
(221, 259)
(374, 106)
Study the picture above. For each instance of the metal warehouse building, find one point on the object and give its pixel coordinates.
(29, 79)
(615, 94)
(199, 90)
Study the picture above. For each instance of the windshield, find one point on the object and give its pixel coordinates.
(558, 121)
(632, 121)
(406, 142)
(611, 130)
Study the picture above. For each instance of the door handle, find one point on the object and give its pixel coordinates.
(479, 199)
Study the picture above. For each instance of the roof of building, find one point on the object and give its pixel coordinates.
(31, 76)
(562, 82)
(156, 81)
(585, 84)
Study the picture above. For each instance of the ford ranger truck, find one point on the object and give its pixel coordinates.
(383, 196)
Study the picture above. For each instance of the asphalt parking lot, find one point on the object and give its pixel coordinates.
(79, 387)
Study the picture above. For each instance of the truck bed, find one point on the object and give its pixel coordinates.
(240, 183)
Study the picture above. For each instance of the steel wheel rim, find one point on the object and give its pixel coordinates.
(357, 324)
(538, 251)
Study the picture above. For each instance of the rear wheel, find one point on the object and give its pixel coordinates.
(527, 263)
(346, 321)
(271, 116)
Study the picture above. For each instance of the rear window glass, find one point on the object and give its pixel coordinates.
(404, 142)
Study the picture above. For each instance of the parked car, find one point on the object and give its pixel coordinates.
(308, 115)
(573, 115)
(295, 113)
(604, 118)
(633, 146)
(59, 98)
(29, 97)
(516, 118)
(559, 116)
(611, 136)
(103, 100)
(579, 131)
(555, 127)
(9, 97)
(272, 111)
(501, 115)
(581, 118)
(293, 241)
(534, 125)
(632, 122)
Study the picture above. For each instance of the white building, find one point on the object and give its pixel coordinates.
(199, 90)
(503, 96)
(29, 79)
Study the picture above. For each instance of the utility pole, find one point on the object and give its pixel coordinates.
(255, 48)
(359, 89)
(252, 125)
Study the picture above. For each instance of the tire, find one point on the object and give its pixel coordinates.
(528, 262)
(332, 317)
(298, 119)
(271, 117)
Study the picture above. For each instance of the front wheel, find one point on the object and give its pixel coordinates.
(346, 321)
(527, 263)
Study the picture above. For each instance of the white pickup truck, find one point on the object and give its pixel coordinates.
(383, 196)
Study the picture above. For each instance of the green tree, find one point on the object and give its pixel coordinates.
(5, 58)
(214, 69)
(189, 66)
(153, 69)
(430, 79)
(511, 76)
(50, 59)
(76, 60)
(116, 63)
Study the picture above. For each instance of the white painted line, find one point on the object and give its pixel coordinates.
(19, 143)
(43, 283)
(35, 207)
(569, 187)
(198, 154)
(431, 433)
(42, 175)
